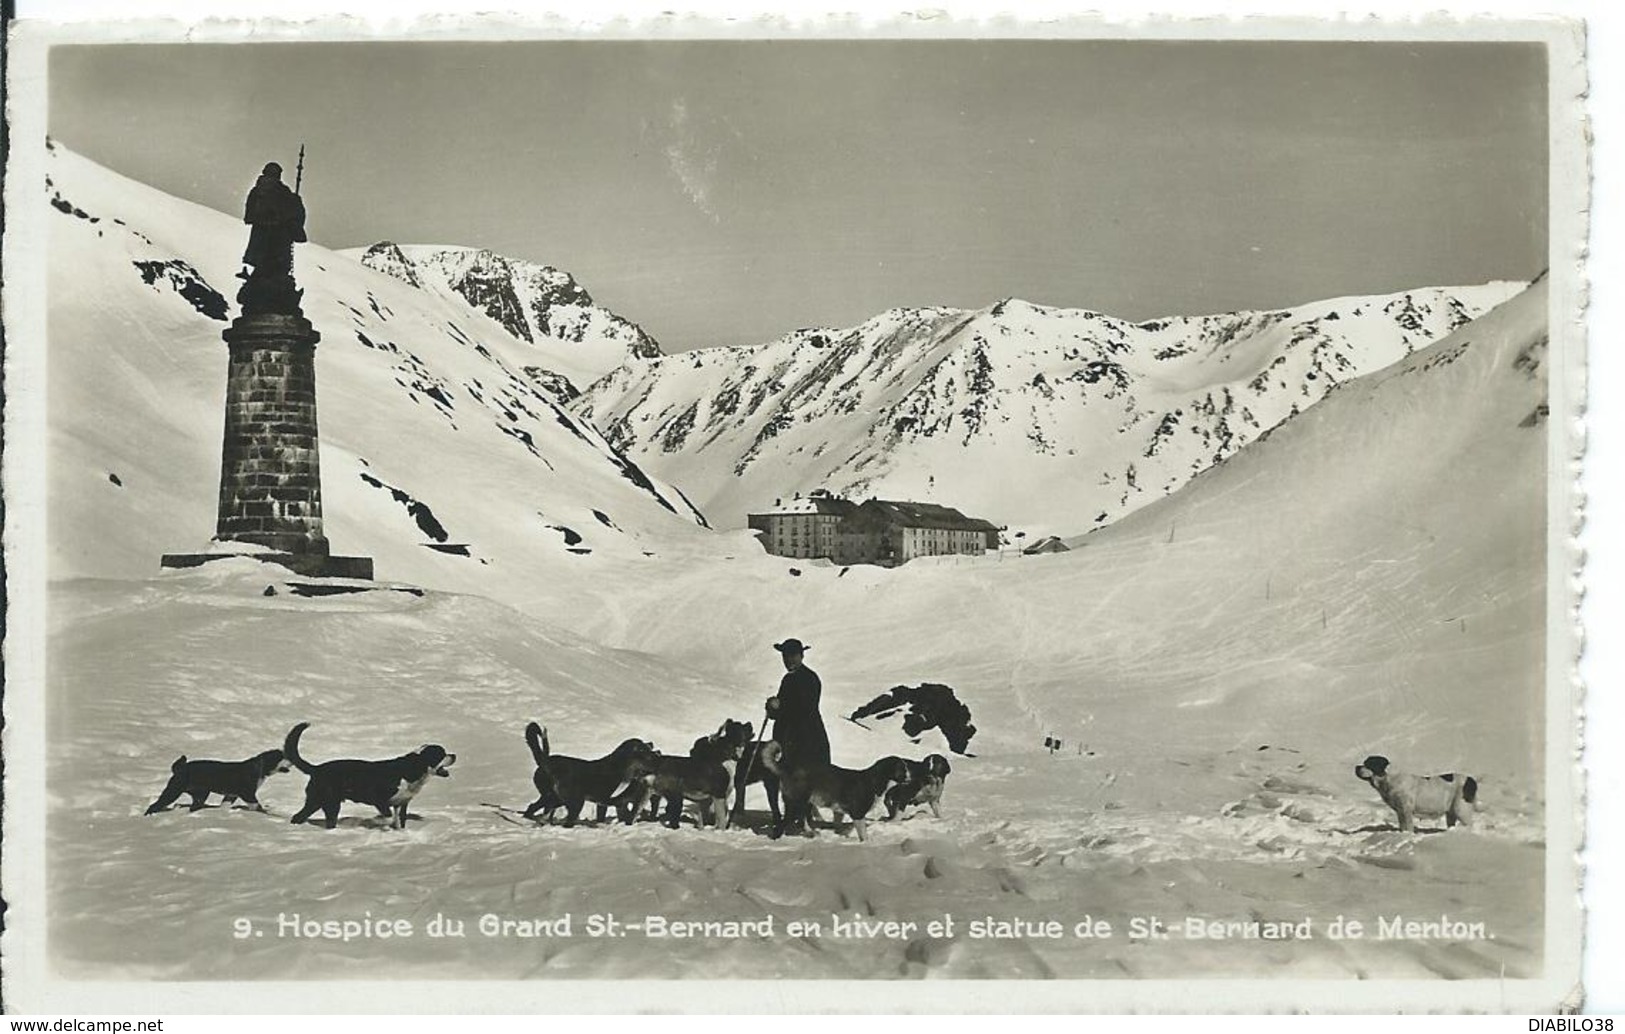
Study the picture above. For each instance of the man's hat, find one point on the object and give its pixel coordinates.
(271, 169)
(791, 646)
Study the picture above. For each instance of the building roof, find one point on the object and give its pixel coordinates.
(928, 515)
(810, 505)
(1053, 544)
(890, 511)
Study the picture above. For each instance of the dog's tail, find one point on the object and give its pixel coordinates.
(536, 737)
(1469, 790)
(290, 748)
(179, 764)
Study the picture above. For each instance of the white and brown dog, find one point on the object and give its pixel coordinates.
(1451, 795)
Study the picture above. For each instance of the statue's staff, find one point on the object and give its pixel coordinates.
(299, 173)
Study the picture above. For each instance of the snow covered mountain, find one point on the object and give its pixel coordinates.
(1049, 420)
(534, 302)
(1367, 577)
(433, 435)
(1370, 576)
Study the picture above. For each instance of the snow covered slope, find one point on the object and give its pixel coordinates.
(1369, 578)
(202, 663)
(1361, 558)
(432, 433)
(578, 341)
(1049, 420)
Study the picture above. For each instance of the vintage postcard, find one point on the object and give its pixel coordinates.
(936, 516)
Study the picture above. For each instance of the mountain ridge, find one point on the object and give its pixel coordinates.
(1045, 396)
(430, 427)
(531, 300)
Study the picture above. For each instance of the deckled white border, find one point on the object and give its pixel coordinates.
(30, 987)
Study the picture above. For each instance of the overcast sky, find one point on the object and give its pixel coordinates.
(726, 192)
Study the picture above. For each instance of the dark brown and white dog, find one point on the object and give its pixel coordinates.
(230, 779)
(705, 777)
(926, 779)
(387, 785)
(751, 770)
(1451, 795)
(568, 782)
(848, 792)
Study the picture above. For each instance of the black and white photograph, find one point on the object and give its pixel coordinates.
(1048, 505)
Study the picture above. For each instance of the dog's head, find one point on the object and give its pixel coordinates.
(636, 748)
(273, 761)
(731, 738)
(435, 759)
(1372, 768)
(740, 733)
(936, 766)
(638, 756)
(727, 743)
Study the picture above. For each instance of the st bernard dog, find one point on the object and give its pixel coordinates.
(1451, 795)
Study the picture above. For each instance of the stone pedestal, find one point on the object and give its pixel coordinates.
(270, 469)
(311, 565)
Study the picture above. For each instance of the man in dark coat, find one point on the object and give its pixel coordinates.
(277, 216)
(797, 726)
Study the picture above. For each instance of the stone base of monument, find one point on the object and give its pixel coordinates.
(311, 565)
